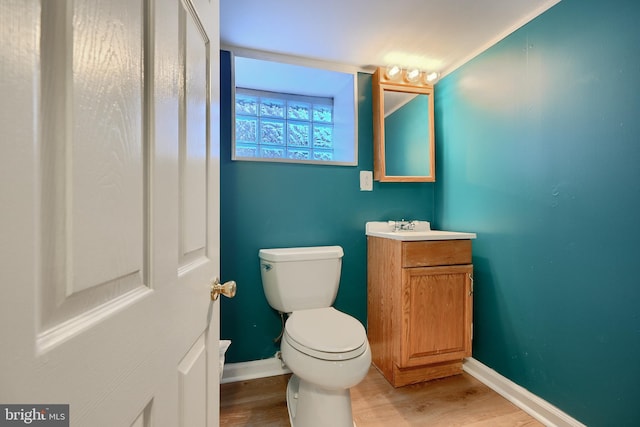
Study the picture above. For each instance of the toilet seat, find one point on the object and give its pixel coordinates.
(326, 333)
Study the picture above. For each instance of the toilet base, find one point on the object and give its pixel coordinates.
(312, 406)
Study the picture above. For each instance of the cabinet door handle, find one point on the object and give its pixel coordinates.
(471, 288)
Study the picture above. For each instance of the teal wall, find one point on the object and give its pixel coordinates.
(266, 205)
(538, 151)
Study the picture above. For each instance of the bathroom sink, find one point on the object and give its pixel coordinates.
(383, 229)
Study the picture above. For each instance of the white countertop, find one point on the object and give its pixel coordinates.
(385, 230)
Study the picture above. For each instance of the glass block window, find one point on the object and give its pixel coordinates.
(272, 125)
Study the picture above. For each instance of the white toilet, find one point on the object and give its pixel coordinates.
(326, 350)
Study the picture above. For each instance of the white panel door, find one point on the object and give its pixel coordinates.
(109, 198)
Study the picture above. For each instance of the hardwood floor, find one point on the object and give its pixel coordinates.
(455, 401)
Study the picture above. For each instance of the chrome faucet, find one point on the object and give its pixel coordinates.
(404, 225)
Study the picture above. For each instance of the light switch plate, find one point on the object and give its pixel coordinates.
(366, 181)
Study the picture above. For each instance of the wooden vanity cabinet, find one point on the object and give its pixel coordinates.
(419, 307)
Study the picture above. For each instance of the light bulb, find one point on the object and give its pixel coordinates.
(393, 71)
(412, 75)
(432, 77)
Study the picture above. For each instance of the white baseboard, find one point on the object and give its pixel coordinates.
(243, 371)
(538, 408)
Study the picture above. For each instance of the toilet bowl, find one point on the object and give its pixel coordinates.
(328, 353)
(327, 350)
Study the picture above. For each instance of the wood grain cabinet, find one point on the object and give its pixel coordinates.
(420, 307)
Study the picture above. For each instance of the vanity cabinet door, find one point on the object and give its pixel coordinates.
(436, 314)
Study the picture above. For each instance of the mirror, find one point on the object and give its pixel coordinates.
(402, 130)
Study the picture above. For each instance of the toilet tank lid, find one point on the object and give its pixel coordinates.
(301, 254)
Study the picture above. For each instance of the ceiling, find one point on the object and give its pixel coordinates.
(434, 35)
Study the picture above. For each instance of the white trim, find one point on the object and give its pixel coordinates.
(242, 371)
(538, 408)
(295, 60)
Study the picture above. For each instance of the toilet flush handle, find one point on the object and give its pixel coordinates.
(228, 289)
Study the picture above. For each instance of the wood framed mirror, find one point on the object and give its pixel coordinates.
(403, 135)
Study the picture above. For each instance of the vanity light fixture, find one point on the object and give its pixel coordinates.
(394, 72)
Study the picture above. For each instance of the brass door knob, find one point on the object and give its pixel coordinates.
(228, 289)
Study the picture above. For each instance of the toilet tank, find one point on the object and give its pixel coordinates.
(301, 278)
